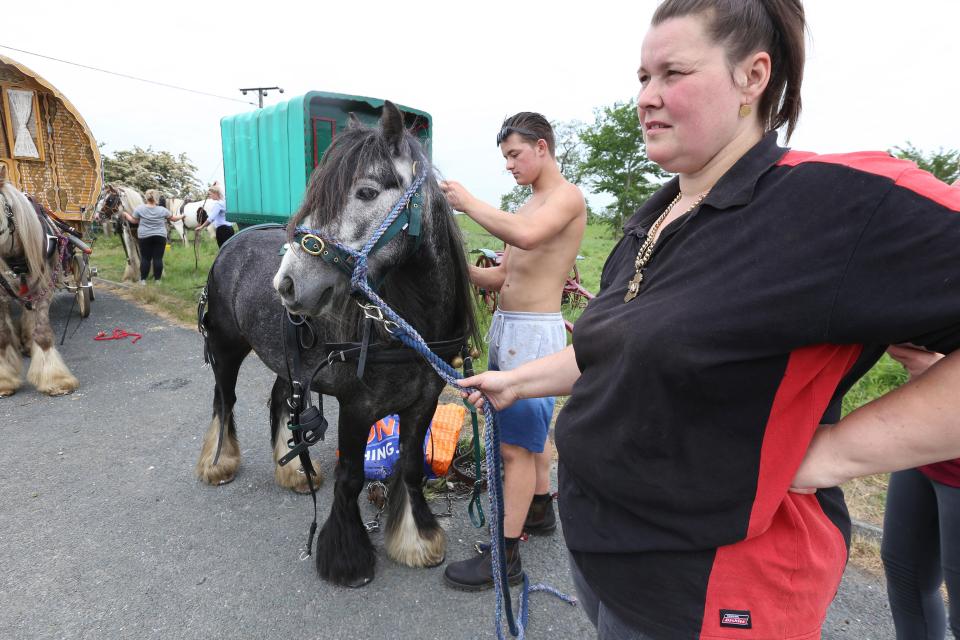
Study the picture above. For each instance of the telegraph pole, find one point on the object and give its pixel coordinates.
(261, 92)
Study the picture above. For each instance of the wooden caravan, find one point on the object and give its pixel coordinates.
(47, 147)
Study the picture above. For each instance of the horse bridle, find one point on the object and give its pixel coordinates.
(405, 215)
(113, 209)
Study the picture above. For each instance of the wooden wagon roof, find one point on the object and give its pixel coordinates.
(91, 172)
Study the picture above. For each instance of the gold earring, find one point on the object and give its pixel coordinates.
(745, 110)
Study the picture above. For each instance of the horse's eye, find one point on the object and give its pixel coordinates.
(367, 193)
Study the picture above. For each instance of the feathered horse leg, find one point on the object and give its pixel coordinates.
(225, 362)
(132, 271)
(48, 372)
(413, 536)
(11, 363)
(345, 555)
(289, 475)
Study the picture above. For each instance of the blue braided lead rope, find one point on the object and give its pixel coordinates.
(409, 337)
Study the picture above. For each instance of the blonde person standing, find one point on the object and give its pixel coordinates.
(151, 233)
(216, 210)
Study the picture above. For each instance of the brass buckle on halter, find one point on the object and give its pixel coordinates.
(312, 244)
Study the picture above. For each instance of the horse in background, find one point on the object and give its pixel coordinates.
(191, 219)
(24, 250)
(113, 199)
(423, 276)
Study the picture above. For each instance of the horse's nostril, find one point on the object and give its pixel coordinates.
(286, 286)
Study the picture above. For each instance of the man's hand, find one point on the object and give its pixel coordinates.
(457, 195)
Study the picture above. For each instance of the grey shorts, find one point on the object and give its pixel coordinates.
(515, 338)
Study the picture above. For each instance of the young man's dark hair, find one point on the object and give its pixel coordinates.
(529, 126)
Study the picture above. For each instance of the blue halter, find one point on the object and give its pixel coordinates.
(406, 215)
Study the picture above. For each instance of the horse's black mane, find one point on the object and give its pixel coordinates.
(351, 156)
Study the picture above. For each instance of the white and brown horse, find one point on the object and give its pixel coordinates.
(23, 248)
(113, 199)
(189, 211)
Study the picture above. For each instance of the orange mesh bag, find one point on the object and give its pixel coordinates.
(442, 438)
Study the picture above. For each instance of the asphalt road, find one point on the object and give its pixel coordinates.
(105, 533)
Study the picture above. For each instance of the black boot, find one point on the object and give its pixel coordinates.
(541, 519)
(476, 573)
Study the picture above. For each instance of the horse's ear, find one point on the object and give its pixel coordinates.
(392, 124)
(353, 122)
(3, 173)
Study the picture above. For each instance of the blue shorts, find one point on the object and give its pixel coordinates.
(515, 338)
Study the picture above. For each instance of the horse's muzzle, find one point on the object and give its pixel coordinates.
(304, 299)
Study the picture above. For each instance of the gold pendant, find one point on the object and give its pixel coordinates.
(633, 288)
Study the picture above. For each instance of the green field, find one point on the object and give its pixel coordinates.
(183, 274)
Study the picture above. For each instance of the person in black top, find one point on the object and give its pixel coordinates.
(698, 490)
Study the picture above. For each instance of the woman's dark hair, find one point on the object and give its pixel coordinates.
(743, 27)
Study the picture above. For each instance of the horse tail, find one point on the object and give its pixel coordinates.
(30, 230)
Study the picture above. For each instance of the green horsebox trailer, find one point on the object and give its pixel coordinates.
(269, 153)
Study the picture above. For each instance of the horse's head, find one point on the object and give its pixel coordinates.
(364, 174)
(110, 202)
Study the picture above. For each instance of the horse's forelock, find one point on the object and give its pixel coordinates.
(353, 154)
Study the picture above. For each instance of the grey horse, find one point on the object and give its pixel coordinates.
(251, 288)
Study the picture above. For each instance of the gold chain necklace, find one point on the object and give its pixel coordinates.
(646, 249)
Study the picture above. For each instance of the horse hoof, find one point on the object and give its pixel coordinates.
(289, 476)
(359, 582)
(219, 475)
(57, 392)
(443, 559)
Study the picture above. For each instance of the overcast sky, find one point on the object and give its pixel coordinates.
(879, 72)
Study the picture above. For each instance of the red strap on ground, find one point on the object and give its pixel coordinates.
(118, 334)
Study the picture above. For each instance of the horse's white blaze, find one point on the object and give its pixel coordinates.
(48, 372)
(229, 462)
(10, 367)
(289, 475)
(406, 544)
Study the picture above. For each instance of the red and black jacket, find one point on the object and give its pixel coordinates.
(698, 399)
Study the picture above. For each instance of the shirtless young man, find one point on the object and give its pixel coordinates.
(542, 239)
